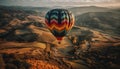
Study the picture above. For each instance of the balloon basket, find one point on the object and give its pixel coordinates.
(59, 42)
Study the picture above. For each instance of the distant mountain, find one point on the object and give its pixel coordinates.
(116, 9)
(36, 10)
(108, 22)
(76, 10)
(24, 8)
(80, 10)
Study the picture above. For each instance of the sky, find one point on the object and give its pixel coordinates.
(51, 3)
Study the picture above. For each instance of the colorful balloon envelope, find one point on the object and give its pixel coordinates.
(59, 22)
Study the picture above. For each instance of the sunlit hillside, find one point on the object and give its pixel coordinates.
(27, 43)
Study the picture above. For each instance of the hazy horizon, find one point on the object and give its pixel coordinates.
(62, 3)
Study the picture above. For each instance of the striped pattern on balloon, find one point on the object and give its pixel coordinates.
(59, 21)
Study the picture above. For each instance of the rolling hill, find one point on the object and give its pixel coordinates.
(26, 43)
(109, 22)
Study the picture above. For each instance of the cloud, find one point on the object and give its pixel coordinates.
(59, 2)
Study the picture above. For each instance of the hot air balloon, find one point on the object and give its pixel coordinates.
(59, 22)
